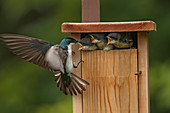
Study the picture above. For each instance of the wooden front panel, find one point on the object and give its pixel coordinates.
(113, 85)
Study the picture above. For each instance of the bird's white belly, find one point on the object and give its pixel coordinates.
(69, 63)
(54, 60)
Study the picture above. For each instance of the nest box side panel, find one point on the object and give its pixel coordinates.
(113, 85)
(77, 100)
(143, 66)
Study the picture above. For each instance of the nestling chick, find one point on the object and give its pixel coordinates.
(101, 41)
(120, 40)
(85, 44)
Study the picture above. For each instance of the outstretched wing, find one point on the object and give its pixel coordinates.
(31, 49)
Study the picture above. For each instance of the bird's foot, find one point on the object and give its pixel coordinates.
(76, 66)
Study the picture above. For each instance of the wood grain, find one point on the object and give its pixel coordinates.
(143, 66)
(77, 100)
(113, 85)
(108, 27)
(90, 10)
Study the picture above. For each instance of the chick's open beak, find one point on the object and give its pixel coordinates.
(109, 40)
(81, 47)
(92, 38)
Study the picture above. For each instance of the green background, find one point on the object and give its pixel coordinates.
(26, 88)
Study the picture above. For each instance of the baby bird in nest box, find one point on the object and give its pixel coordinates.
(86, 44)
(101, 41)
(121, 40)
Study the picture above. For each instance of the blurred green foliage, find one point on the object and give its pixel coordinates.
(26, 88)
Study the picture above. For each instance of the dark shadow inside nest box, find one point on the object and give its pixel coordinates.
(133, 35)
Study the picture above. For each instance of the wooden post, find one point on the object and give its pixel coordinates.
(90, 13)
(90, 10)
(113, 84)
(143, 66)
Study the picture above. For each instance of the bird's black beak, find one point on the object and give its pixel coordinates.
(75, 41)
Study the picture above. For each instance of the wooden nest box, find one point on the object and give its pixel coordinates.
(118, 78)
(116, 85)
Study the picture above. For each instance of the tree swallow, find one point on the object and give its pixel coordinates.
(55, 58)
(101, 41)
(120, 40)
(86, 44)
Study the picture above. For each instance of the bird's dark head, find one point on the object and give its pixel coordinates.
(113, 37)
(66, 42)
(97, 37)
(85, 41)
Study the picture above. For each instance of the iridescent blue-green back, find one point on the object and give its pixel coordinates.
(64, 43)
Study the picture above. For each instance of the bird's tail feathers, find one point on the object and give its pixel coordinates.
(73, 84)
(83, 82)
